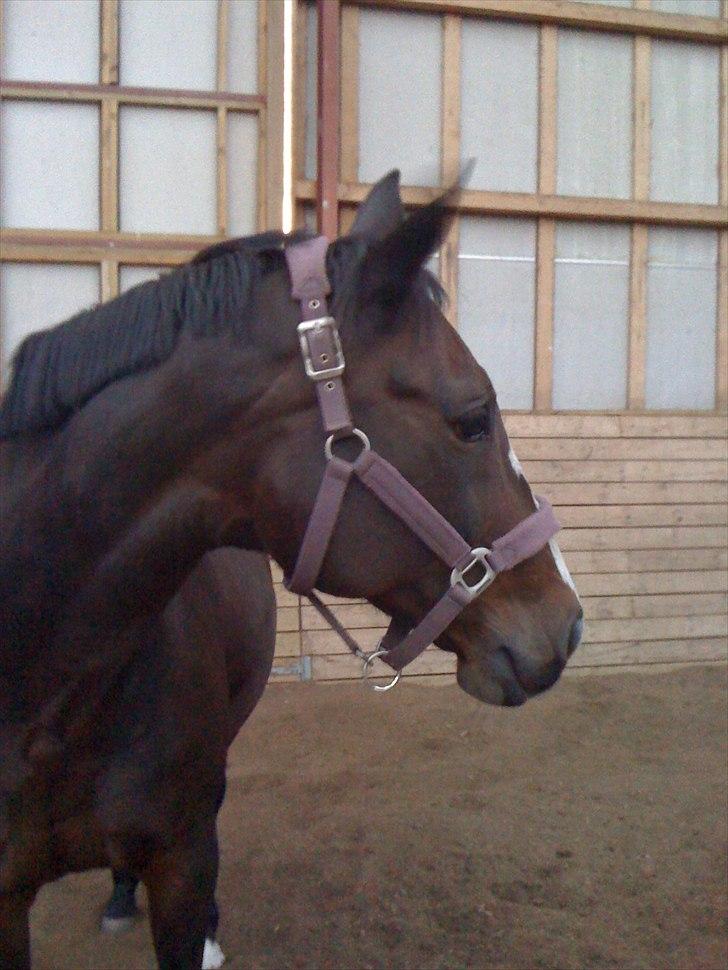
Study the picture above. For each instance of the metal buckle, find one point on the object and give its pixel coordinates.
(457, 576)
(317, 325)
(369, 659)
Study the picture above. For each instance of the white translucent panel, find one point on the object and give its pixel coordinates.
(499, 98)
(681, 318)
(168, 45)
(311, 120)
(684, 142)
(610, 3)
(400, 80)
(694, 8)
(130, 276)
(34, 296)
(167, 170)
(242, 173)
(591, 316)
(49, 165)
(45, 41)
(594, 115)
(242, 50)
(496, 299)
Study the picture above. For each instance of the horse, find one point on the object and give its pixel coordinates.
(179, 419)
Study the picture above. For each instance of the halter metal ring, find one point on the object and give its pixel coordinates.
(457, 577)
(355, 432)
(368, 661)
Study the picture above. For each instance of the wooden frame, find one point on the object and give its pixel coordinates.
(544, 205)
(108, 247)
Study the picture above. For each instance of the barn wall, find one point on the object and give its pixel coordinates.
(586, 271)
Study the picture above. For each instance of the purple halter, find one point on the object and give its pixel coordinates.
(324, 364)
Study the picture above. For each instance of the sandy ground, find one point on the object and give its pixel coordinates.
(420, 829)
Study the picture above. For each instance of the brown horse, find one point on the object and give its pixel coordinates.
(176, 420)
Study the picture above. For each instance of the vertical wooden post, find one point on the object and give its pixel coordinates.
(223, 10)
(329, 41)
(451, 71)
(349, 107)
(109, 142)
(721, 345)
(271, 118)
(641, 113)
(546, 231)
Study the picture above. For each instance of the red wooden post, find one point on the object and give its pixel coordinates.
(329, 41)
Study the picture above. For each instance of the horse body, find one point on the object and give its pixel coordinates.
(175, 421)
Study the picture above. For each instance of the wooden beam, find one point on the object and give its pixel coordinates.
(109, 279)
(450, 160)
(223, 18)
(328, 143)
(79, 246)
(109, 73)
(637, 319)
(165, 97)
(721, 354)
(221, 169)
(349, 106)
(587, 16)
(544, 338)
(548, 66)
(272, 129)
(479, 202)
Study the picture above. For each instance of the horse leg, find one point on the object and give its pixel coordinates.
(121, 909)
(14, 931)
(180, 884)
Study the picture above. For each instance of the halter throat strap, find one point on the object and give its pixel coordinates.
(472, 569)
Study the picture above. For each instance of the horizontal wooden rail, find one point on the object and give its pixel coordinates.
(161, 97)
(587, 16)
(67, 246)
(478, 202)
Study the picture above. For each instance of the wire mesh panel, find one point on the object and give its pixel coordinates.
(591, 312)
(496, 269)
(681, 315)
(400, 81)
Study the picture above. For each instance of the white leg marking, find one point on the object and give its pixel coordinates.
(213, 957)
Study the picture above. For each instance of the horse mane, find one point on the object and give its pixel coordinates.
(56, 371)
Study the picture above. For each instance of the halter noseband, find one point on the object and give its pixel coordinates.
(324, 364)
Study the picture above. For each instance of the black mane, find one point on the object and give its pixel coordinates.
(56, 371)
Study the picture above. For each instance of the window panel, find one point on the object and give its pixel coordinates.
(242, 173)
(594, 115)
(49, 165)
(681, 318)
(400, 81)
(167, 170)
(499, 98)
(684, 141)
(496, 298)
(34, 296)
(130, 276)
(51, 41)
(694, 8)
(591, 314)
(242, 48)
(168, 45)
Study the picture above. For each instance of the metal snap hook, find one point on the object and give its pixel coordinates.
(366, 669)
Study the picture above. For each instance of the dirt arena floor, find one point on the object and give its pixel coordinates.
(420, 829)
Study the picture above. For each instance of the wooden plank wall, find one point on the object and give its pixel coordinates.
(642, 501)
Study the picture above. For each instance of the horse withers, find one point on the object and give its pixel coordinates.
(179, 419)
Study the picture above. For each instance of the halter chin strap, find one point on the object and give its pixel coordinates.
(473, 569)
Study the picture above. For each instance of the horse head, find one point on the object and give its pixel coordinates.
(427, 407)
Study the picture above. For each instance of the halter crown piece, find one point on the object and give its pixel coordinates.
(473, 569)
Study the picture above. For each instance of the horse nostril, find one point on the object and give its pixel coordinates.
(575, 635)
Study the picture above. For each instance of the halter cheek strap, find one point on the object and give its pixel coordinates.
(472, 569)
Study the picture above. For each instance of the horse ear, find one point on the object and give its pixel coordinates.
(391, 264)
(381, 212)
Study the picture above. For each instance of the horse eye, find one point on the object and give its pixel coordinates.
(475, 425)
